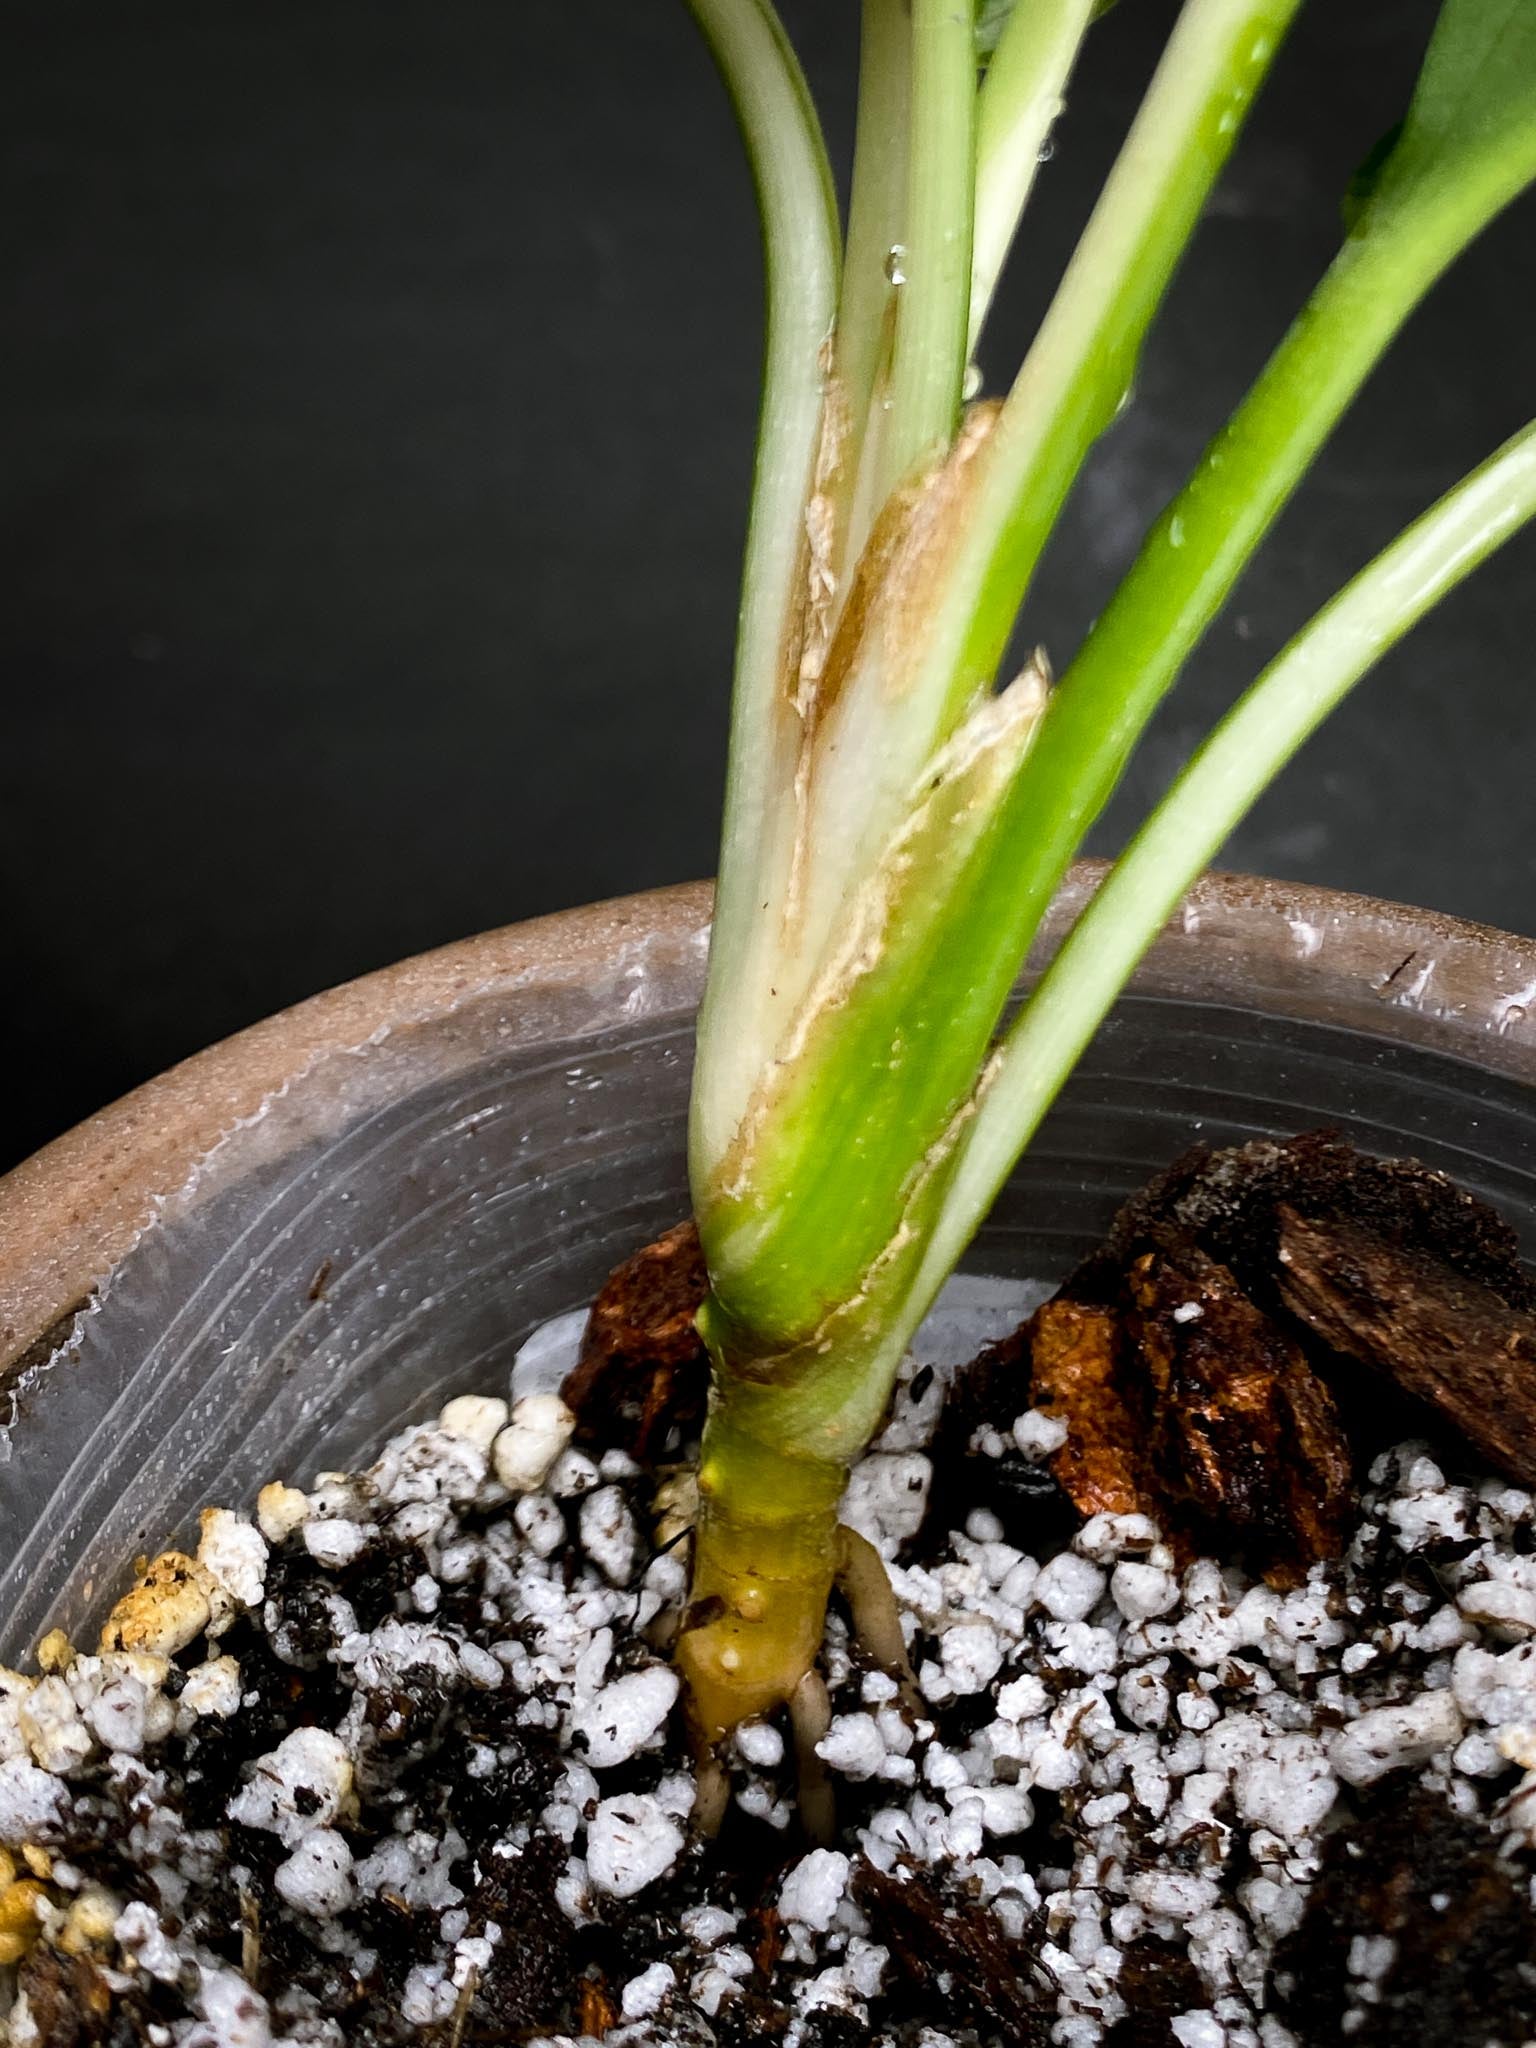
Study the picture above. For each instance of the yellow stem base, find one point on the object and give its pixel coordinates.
(765, 1554)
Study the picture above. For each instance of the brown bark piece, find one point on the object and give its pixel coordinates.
(1445, 1336)
(67, 1997)
(1230, 1203)
(595, 2010)
(764, 1940)
(1361, 1261)
(1244, 1428)
(992, 1980)
(643, 1371)
(1078, 1373)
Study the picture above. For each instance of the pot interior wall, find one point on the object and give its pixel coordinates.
(395, 1223)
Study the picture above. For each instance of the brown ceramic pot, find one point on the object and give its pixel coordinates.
(267, 1259)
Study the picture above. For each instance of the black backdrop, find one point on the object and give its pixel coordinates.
(377, 383)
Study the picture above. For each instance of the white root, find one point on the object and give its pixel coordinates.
(810, 1716)
(865, 1584)
(711, 1794)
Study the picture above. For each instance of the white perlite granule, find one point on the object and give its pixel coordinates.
(524, 1453)
(234, 1555)
(31, 1800)
(625, 1716)
(814, 1889)
(644, 1994)
(317, 1877)
(299, 1787)
(630, 1843)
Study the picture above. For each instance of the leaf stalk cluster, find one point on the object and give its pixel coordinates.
(896, 822)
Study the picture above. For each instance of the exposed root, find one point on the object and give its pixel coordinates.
(250, 1938)
(462, 2004)
(711, 1794)
(675, 1505)
(674, 1511)
(810, 1716)
(865, 1584)
(663, 1632)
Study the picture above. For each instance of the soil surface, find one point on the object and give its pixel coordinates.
(1218, 1581)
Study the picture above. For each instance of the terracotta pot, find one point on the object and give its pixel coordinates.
(264, 1261)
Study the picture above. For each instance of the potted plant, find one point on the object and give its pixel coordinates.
(896, 831)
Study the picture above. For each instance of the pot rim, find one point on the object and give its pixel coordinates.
(72, 1210)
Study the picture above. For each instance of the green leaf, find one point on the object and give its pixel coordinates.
(1475, 99)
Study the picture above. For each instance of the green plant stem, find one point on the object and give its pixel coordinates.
(1021, 98)
(900, 701)
(893, 1066)
(1224, 777)
(933, 266)
(772, 1470)
(1195, 553)
(877, 206)
(793, 1217)
(1080, 370)
(800, 240)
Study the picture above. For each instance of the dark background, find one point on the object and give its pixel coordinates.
(378, 380)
